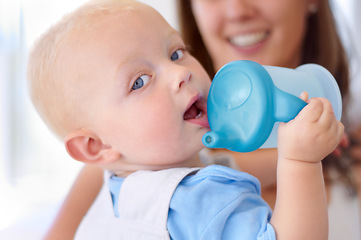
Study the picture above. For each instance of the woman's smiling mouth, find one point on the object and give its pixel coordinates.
(249, 39)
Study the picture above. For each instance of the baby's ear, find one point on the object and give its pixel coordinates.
(86, 147)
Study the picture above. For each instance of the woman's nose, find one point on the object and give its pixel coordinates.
(239, 9)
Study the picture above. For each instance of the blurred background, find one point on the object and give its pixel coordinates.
(35, 170)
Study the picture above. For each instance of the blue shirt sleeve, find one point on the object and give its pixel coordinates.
(219, 203)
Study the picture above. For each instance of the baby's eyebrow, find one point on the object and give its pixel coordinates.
(122, 78)
(125, 66)
(174, 34)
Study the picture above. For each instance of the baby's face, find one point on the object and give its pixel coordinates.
(147, 93)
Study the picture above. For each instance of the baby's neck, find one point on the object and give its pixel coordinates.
(124, 171)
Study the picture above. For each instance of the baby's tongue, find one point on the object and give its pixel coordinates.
(191, 113)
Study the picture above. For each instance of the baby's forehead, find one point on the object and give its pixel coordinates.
(127, 18)
(105, 32)
(125, 9)
(120, 15)
(111, 34)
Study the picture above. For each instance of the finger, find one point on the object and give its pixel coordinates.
(327, 117)
(334, 136)
(340, 131)
(345, 142)
(304, 96)
(312, 111)
(337, 152)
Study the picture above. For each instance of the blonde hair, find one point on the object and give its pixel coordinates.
(48, 78)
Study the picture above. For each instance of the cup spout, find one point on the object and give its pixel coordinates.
(214, 140)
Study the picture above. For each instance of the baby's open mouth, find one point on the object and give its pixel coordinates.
(194, 112)
(197, 112)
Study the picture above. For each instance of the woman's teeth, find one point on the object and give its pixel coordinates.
(246, 40)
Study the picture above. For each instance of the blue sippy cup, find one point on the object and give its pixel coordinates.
(247, 101)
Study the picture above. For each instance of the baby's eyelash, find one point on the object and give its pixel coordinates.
(188, 48)
(185, 48)
(179, 52)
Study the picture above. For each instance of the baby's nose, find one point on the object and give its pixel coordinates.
(181, 76)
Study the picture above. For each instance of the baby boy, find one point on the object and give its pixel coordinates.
(116, 83)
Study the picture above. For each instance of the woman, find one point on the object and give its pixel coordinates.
(282, 33)
(279, 33)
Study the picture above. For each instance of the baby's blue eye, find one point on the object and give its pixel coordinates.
(177, 55)
(140, 82)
